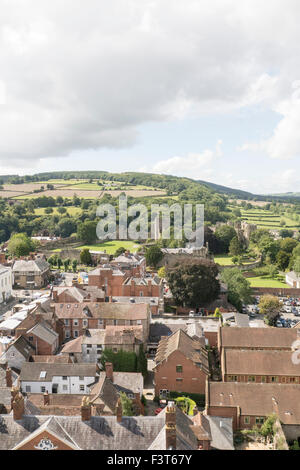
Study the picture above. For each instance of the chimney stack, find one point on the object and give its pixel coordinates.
(119, 411)
(14, 392)
(18, 407)
(170, 426)
(8, 377)
(109, 370)
(86, 409)
(46, 398)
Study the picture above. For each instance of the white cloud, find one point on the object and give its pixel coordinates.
(86, 75)
(192, 165)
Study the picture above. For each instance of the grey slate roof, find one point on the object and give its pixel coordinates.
(221, 432)
(44, 332)
(38, 265)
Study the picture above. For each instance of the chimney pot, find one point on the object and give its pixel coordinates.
(119, 411)
(46, 399)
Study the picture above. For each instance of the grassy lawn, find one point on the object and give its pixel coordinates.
(226, 260)
(263, 281)
(71, 210)
(112, 246)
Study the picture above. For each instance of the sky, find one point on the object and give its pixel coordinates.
(205, 90)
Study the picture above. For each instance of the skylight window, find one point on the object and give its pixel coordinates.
(43, 374)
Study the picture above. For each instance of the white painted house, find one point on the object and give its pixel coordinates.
(292, 279)
(6, 282)
(38, 377)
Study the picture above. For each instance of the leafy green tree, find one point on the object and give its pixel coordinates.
(127, 408)
(239, 289)
(225, 234)
(20, 245)
(59, 262)
(235, 247)
(194, 285)
(283, 260)
(269, 306)
(66, 227)
(74, 265)
(288, 245)
(85, 257)
(86, 231)
(296, 265)
(120, 251)
(142, 365)
(153, 255)
(162, 272)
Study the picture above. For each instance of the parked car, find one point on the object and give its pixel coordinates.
(192, 313)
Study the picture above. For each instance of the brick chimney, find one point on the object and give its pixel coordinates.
(18, 407)
(170, 426)
(109, 370)
(14, 392)
(8, 377)
(119, 411)
(46, 398)
(86, 409)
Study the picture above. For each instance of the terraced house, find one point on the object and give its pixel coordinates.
(93, 315)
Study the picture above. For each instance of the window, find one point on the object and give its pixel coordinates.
(232, 378)
(99, 351)
(263, 379)
(67, 334)
(81, 377)
(67, 322)
(179, 369)
(88, 351)
(43, 389)
(115, 350)
(30, 338)
(75, 322)
(139, 322)
(130, 395)
(251, 378)
(100, 321)
(88, 345)
(65, 377)
(65, 387)
(259, 420)
(81, 387)
(28, 388)
(274, 379)
(247, 420)
(76, 333)
(85, 322)
(179, 380)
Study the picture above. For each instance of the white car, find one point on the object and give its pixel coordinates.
(192, 313)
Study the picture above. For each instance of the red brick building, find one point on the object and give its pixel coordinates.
(181, 365)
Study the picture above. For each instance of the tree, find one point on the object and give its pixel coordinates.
(217, 313)
(296, 265)
(66, 227)
(142, 364)
(86, 231)
(153, 255)
(85, 257)
(283, 259)
(61, 210)
(127, 408)
(288, 244)
(225, 234)
(194, 285)
(120, 251)
(235, 247)
(59, 263)
(74, 265)
(239, 289)
(162, 272)
(269, 306)
(20, 245)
